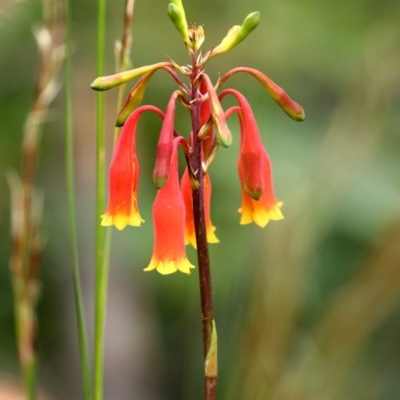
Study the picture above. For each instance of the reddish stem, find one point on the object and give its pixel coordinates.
(210, 383)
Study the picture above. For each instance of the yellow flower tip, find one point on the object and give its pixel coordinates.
(246, 219)
(166, 268)
(184, 265)
(152, 265)
(261, 217)
(211, 238)
(121, 221)
(106, 220)
(190, 238)
(135, 220)
(169, 267)
(275, 213)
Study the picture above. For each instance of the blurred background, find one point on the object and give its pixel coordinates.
(306, 308)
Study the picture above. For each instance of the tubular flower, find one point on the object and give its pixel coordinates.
(164, 145)
(186, 188)
(251, 148)
(254, 166)
(205, 117)
(169, 253)
(122, 208)
(266, 207)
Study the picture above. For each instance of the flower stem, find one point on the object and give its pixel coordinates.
(101, 266)
(208, 324)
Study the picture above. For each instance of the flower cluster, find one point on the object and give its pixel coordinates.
(173, 214)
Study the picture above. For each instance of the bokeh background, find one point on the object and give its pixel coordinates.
(307, 308)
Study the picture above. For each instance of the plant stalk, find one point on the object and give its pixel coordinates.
(101, 266)
(208, 324)
(69, 144)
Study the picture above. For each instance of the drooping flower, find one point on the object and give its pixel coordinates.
(255, 173)
(264, 209)
(186, 188)
(169, 253)
(164, 145)
(122, 208)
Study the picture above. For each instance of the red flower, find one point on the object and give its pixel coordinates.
(254, 166)
(208, 141)
(190, 235)
(122, 208)
(266, 207)
(169, 253)
(164, 145)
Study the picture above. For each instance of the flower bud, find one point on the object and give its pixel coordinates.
(177, 15)
(288, 105)
(164, 145)
(110, 81)
(237, 34)
(196, 36)
(206, 133)
(223, 134)
(134, 98)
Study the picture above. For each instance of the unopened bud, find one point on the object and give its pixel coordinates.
(196, 36)
(288, 105)
(223, 134)
(177, 15)
(165, 144)
(237, 34)
(110, 81)
(211, 363)
(134, 98)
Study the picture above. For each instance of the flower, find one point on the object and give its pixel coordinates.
(122, 208)
(164, 145)
(254, 166)
(287, 104)
(169, 253)
(266, 207)
(186, 188)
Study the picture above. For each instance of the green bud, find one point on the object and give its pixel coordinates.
(237, 34)
(134, 98)
(177, 15)
(110, 81)
(211, 363)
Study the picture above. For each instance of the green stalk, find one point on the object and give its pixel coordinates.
(30, 380)
(69, 144)
(101, 266)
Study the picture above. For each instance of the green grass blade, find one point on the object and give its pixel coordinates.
(82, 336)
